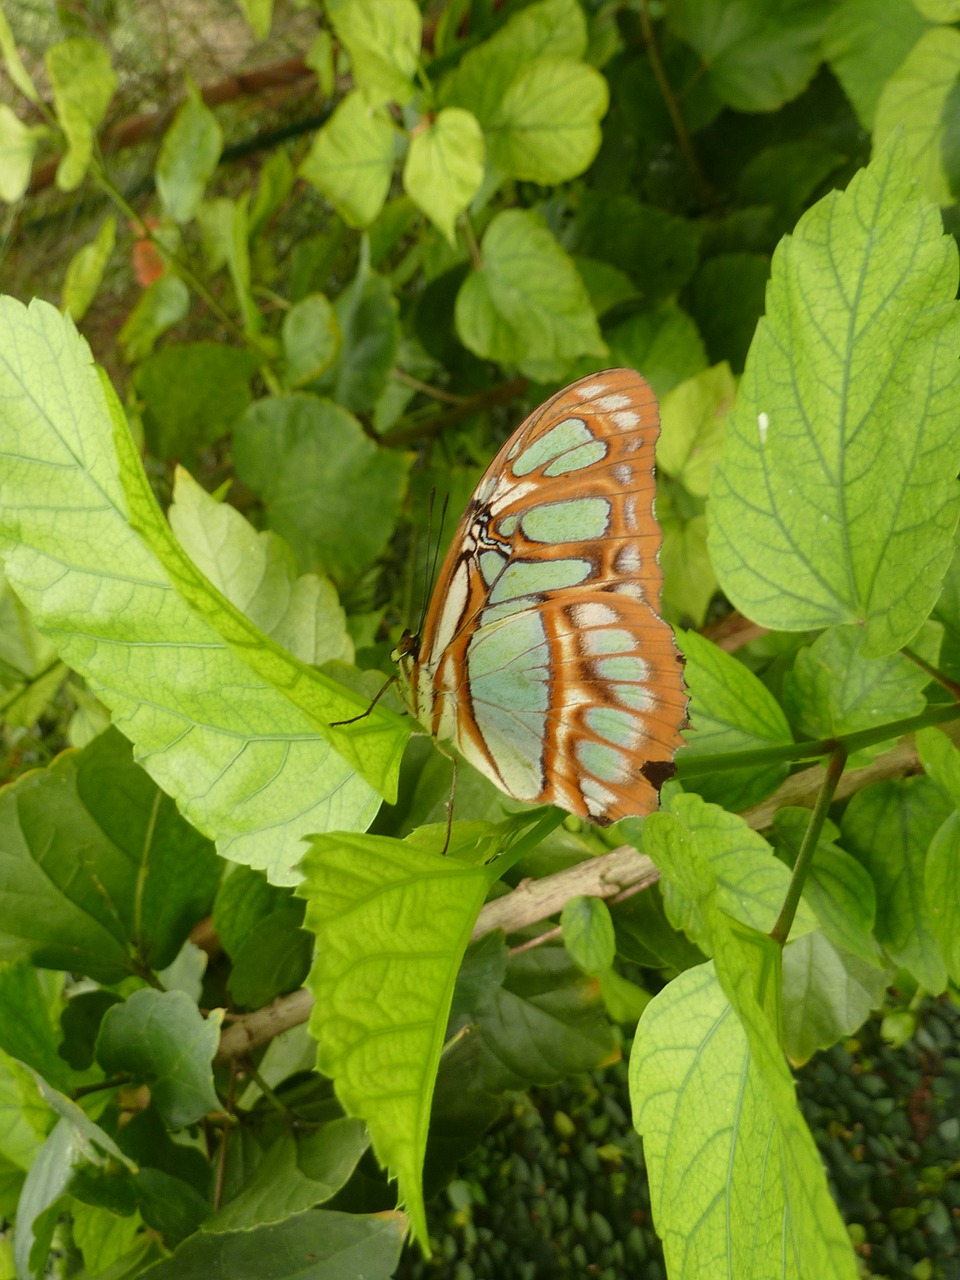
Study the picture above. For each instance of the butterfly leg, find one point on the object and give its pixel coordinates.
(337, 724)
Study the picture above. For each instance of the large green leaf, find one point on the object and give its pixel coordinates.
(526, 305)
(836, 499)
(758, 53)
(915, 100)
(351, 160)
(388, 917)
(258, 573)
(889, 826)
(317, 1245)
(315, 469)
(737, 1186)
(192, 393)
(83, 82)
(546, 128)
(730, 710)
(188, 156)
(235, 728)
(144, 878)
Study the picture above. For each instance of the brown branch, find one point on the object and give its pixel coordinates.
(152, 124)
(606, 876)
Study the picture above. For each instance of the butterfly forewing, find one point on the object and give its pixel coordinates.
(543, 656)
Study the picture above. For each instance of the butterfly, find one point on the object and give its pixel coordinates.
(543, 656)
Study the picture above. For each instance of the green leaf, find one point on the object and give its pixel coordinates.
(105, 1238)
(889, 826)
(658, 250)
(526, 305)
(758, 55)
(383, 909)
(726, 301)
(295, 1173)
(75, 1144)
(444, 167)
(27, 1028)
(351, 160)
(243, 899)
(226, 230)
(320, 59)
(553, 28)
(750, 882)
(162, 1039)
(240, 733)
(712, 1094)
(85, 271)
(188, 156)
(865, 42)
(144, 880)
(80, 1020)
(689, 582)
(941, 883)
(83, 82)
(11, 57)
(259, 13)
(588, 934)
(692, 419)
(258, 573)
(834, 689)
(383, 40)
(162, 305)
(663, 344)
(645, 936)
(316, 1245)
(546, 1022)
(836, 498)
(547, 126)
(940, 760)
(275, 181)
(827, 994)
(839, 890)
(18, 144)
(313, 466)
(730, 710)
(914, 101)
(25, 1119)
(367, 315)
(273, 959)
(192, 393)
(311, 339)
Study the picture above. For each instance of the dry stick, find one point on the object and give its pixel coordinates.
(608, 876)
(151, 124)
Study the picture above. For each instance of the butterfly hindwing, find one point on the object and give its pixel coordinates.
(543, 656)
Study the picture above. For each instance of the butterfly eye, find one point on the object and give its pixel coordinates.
(544, 659)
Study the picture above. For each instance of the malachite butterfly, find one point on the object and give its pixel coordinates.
(544, 658)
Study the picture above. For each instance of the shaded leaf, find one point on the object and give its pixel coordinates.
(827, 994)
(865, 41)
(311, 338)
(314, 467)
(192, 393)
(588, 934)
(161, 305)
(889, 826)
(527, 305)
(85, 270)
(941, 884)
(161, 1039)
(730, 710)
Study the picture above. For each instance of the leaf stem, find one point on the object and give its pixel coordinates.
(781, 930)
(550, 820)
(951, 686)
(690, 765)
(672, 105)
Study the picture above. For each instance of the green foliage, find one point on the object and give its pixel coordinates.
(496, 197)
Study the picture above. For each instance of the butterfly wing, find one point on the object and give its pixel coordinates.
(544, 658)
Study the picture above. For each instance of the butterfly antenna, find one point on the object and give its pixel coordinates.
(431, 573)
